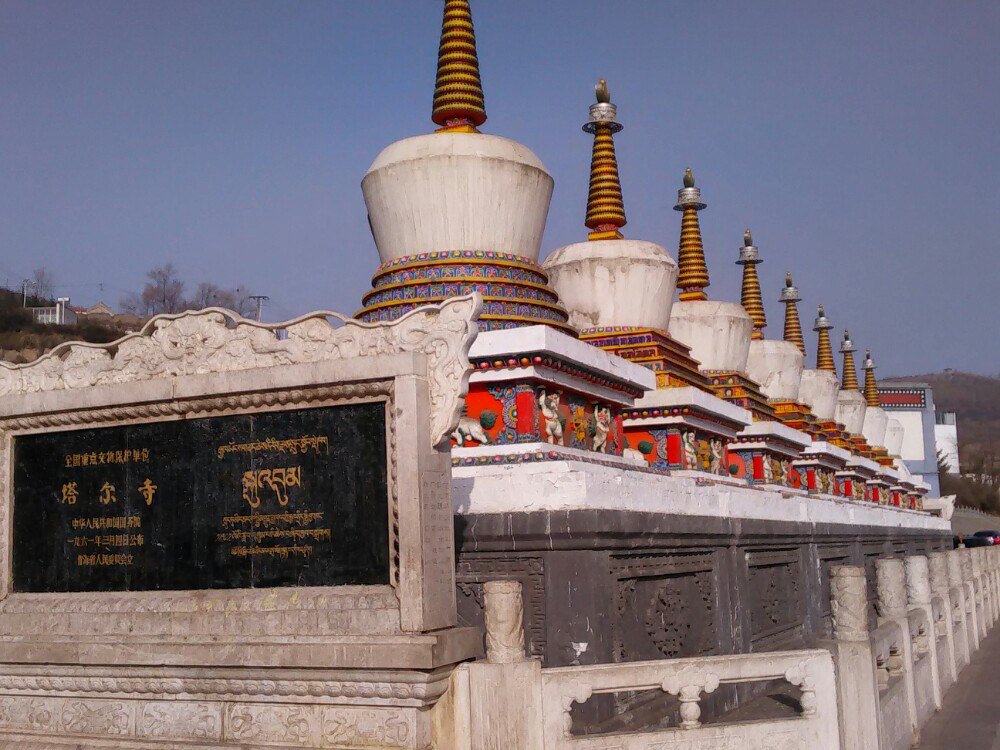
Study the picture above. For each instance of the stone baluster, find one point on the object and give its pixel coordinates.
(918, 596)
(941, 586)
(504, 611)
(972, 593)
(890, 583)
(957, 577)
(505, 690)
(991, 558)
(857, 681)
(987, 579)
(981, 603)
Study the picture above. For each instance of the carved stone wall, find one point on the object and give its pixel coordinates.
(263, 668)
(612, 586)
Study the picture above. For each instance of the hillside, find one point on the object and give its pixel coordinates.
(975, 399)
(22, 340)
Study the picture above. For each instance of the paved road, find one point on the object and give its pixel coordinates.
(970, 715)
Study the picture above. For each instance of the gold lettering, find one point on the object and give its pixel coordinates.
(107, 494)
(147, 489)
(69, 494)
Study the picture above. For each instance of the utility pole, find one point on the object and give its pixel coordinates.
(24, 293)
(260, 298)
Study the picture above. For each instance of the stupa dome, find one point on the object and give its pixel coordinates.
(777, 367)
(717, 332)
(851, 408)
(893, 436)
(818, 390)
(874, 428)
(456, 191)
(614, 283)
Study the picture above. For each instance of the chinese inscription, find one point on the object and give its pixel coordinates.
(271, 499)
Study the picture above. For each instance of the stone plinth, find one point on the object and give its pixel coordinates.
(684, 429)
(536, 386)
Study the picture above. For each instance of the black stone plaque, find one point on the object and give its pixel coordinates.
(290, 498)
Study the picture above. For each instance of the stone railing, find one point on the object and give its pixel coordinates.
(867, 689)
(689, 679)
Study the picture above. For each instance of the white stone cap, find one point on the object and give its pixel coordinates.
(669, 398)
(829, 449)
(857, 462)
(890, 475)
(566, 485)
(777, 429)
(541, 338)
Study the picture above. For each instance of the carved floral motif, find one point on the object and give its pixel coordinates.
(216, 340)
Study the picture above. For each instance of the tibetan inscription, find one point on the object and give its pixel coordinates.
(289, 498)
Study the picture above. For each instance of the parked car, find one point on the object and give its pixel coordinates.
(992, 534)
(972, 541)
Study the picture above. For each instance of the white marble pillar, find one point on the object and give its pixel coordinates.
(890, 583)
(857, 684)
(918, 596)
(941, 587)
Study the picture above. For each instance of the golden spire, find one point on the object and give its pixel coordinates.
(750, 296)
(871, 388)
(793, 328)
(605, 208)
(693, 276)
(458, 91)
(824, 353)
(850, 378)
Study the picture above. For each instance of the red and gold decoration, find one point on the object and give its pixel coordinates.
(871, 387)
(878, 453)
(793, 328)
(605, 208)
(458, 90)
(849, 381)
(657, 350)
(693, 277)
(750, 296)
(515, 290)
(824, 352)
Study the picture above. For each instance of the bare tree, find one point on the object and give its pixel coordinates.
(43, 282)
(163, 293)
(212, 295)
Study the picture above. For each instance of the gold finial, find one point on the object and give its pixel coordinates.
(849, 380)
(601, 92)
(605, 207)
(693, 277)
(871, 387)
(458, 91)
(750, 296)
(824, 352)
(793, 328)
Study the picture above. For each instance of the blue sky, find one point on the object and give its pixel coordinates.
(858, 140)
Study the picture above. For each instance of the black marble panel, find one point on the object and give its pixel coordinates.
(291, 498)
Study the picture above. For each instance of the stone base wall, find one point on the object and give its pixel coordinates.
(604, 586)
